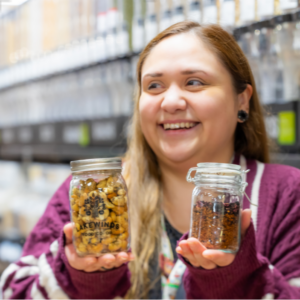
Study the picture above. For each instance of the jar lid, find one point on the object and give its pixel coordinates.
(217, 173)
(111, 163)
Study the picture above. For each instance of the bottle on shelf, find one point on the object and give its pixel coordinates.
(210, 12)
(247, 11)
(151, 23)
(177, 11)
(138, 31)
(165, 15)
(228, 13)
(194, 11)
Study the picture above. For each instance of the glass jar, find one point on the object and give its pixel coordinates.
(217, 203)
(99, 207)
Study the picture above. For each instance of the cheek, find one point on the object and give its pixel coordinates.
(148, 109)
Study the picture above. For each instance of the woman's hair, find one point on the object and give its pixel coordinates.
(142, 172)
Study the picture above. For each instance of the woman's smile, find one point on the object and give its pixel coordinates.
(178, 127)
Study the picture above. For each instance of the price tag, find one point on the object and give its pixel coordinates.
(287, 128)
(247, 10)
(25, 135)
(8, 136)
(104, 131)
(47, 133)
(288, 4)
(210, 13)
(227, 12)
(265, 8)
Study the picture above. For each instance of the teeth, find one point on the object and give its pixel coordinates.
(179, 125)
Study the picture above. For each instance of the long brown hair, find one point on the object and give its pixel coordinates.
(142, 171)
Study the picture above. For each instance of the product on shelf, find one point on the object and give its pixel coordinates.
(99, 207)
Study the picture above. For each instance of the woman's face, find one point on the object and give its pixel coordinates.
(188, 106)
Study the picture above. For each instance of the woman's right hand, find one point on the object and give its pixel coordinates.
(89, 263)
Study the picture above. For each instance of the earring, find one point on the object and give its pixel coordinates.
(243, 116)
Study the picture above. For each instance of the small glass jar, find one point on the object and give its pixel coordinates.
(217, 203)
(99, 207)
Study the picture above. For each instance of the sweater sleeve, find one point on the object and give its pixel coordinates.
(43, 272)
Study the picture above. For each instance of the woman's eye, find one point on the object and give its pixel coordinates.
(194, 83)
(154, 86)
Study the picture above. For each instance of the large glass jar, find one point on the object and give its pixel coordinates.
(217, 203)
(99, 207)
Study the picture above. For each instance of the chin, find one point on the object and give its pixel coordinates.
(177, 155)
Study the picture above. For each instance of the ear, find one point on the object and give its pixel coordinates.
(244, 99)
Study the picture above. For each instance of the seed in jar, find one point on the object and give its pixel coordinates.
(124, 245)
(113, 216)
(103, 214)
(111, 181)
(96, 248)
(121, 192)
(108, 204)
(81, 247)
(108, 240)
(108, 190)
(123, 236)
(118, 201)
(118, 229)
(118, 210)
(91, 184)
(93, 195)
(112, 195)
(102, 184)
(115, 245)
(75, 207)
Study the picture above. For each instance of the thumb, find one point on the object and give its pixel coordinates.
(68, 228)
(246, 220)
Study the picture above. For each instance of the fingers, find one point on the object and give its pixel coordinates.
(68, 228)
(80, 263)
(219, 258)
(92, 264)
(245, 221)
(192, 250)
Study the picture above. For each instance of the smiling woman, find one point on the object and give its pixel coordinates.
(196, 102)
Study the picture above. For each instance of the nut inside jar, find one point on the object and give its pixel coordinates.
(99, 212)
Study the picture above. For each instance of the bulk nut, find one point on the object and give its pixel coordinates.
(99, 213)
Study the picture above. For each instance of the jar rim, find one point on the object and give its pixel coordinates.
(94, 164)
(220, 165)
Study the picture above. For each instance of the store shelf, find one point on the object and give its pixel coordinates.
(65, 141)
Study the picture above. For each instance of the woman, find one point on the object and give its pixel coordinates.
(196, 102)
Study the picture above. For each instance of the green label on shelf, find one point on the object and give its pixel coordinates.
(84, 135)
(287, 128)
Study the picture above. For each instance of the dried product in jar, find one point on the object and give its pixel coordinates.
(216, 224)
(99, 212)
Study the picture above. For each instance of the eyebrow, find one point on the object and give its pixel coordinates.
(187, 72)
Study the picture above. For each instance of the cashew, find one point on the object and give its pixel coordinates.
(112, 195)
(111, 181)
(103, 196)
(108, 240)
(118, 201)
(103, 214)
(108, 204)
(125, 215)
(121, 192)
(108, 190)
(118, 210)
(93, 194)
(115, 246)
(75, 207)
(81, 247)
(118, 231)
(123, 236)
(90, 184)
(113, 216)
(102, 184)
(82, 198)
(96, 248)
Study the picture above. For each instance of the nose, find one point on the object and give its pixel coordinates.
(173, 100)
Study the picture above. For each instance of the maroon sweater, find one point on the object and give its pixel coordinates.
(267, 264)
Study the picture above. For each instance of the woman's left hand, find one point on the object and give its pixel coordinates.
(192, 250)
